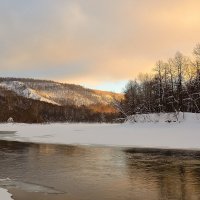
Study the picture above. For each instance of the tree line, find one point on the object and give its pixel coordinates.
(173, 86)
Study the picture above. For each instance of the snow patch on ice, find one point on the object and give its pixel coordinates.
(5, 195)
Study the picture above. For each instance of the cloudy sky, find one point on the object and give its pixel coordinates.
(96, 43)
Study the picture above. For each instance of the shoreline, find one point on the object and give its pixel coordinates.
(125, 148)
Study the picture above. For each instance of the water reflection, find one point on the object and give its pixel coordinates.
(165, 174)
(103, 173)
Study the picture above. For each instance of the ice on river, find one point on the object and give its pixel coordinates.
(4, 195)
(184, 135)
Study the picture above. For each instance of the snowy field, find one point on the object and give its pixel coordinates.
(184, 135)
(4, 195)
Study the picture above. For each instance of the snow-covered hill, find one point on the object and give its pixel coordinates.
(22, 90)
(58, 93)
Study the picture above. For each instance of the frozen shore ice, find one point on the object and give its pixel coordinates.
(5, 195)
(184, 135)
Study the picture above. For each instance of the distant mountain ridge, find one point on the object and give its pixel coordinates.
(58, 93)
(20, 89)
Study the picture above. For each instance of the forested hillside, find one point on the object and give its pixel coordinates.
(60, 93)
(30, 100)
(27, 110)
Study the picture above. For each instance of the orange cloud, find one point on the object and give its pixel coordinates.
(107, 40)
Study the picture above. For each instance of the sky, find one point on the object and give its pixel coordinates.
(96, 43)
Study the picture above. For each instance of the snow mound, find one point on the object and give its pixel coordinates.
(21, 89)
(163, 117)
(4, 195)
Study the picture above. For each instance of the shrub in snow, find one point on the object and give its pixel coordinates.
(10, 120)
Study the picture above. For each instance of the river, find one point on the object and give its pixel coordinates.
(60, 172)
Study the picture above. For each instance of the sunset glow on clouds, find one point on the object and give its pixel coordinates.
(97, 43)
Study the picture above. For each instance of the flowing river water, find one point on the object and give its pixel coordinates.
(60, 172)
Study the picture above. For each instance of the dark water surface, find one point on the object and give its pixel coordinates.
(58, 172)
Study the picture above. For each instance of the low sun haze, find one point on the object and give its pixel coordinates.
(98, 44)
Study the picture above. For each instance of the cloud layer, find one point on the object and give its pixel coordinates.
(91, 41)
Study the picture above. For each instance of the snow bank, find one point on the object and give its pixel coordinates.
(4, 195)
(185, 135)
(163, 117)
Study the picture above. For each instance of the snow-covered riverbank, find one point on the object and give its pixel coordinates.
(184, 135)
(4, 195)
